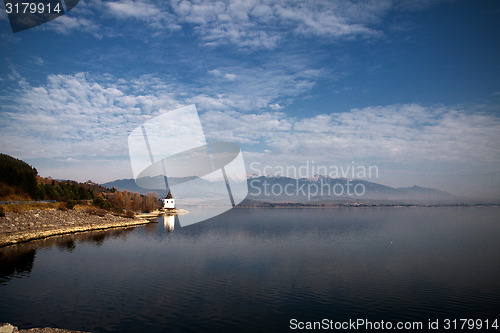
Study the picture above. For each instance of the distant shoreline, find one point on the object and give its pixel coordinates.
(364, 206)
(263, 204)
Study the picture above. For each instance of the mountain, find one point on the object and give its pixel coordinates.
(318, 189)
(324, 189)
(149, 184)
(417, 192)
(126, 184)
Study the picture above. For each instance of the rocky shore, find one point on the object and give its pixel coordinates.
(36, 224)
(8, 328)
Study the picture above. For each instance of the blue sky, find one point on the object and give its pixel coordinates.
(412, 87)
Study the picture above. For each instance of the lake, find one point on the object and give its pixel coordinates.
(257, 269)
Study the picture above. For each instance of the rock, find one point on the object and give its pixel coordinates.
(7, 328)
(49, 330)
(24, 227)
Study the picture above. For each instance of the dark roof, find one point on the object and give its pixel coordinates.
(169, 195)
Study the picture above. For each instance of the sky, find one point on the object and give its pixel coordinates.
(411, 87)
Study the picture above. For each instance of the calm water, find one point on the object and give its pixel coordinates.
(255, 269)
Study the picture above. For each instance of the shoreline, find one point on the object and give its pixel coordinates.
(9, 328)
(36, 224)
(160, 212)
(361, 205)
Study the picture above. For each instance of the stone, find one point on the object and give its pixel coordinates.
(7, 328)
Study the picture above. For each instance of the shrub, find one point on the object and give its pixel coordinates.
(96, 211)
(70, 204)
(62, 206)
(130, 214)
(101, 203)
(16, 209)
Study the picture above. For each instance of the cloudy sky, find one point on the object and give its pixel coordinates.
(412, 87)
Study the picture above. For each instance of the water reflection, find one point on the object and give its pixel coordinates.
(169, 222)
(18, 260)
(68, 245)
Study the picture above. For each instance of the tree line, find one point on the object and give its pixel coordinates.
(19, 180)
(17, 177)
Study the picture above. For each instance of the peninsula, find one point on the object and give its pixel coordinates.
(34, 207)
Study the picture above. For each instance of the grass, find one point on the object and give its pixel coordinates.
(88, 208)
(19, 208)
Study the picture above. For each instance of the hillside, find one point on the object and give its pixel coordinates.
(17, 178)
(20, 181)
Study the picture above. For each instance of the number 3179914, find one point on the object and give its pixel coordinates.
(32, 8)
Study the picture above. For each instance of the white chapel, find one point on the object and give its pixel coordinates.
(169, 201)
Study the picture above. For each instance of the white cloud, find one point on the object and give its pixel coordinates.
(74, 116)
(275, 106)
(230, 77)
(442, 147)
(93, 16)
(243, 128)
(155, 15)
(14, 73)
(67, 24)
(38, 61)
(256, 24)
(227, 76)
(264, 23)
(249, 88)
(73, 113)
(89, 115)
(402, 134)
(253, 24)
(83, 114)
(86, 115)
(132, 9)
(215, 72)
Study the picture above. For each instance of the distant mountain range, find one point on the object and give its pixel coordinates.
(318, 189)
(323, 188)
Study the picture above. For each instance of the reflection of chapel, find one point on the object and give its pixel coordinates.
(169, 201)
